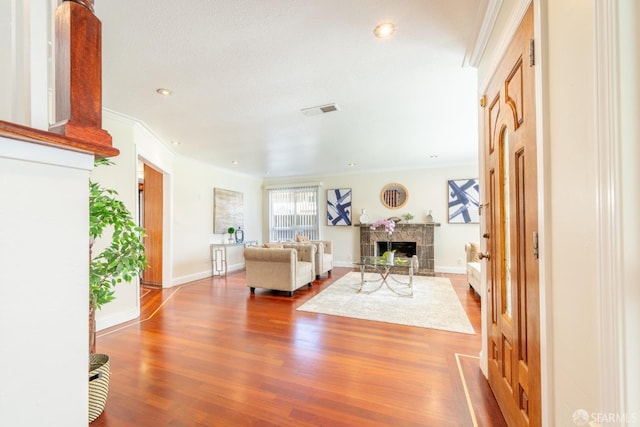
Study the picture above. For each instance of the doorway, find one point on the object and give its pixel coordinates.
(150, 196)
(509, 227)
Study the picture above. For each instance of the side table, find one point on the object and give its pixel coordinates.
(219, 256)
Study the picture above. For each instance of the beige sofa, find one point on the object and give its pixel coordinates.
(472, 251)
(324, 255)
(281, 269)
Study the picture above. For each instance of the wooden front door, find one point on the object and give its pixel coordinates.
(152, 223)
(510, 228)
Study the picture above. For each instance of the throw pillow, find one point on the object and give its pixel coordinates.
(302, 238)
(274, 245)
(474, 252)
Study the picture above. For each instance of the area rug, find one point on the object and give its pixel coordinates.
(434, 305)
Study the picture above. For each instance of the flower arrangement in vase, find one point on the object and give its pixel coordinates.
(389, 225)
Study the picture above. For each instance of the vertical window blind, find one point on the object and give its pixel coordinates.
(293, 211)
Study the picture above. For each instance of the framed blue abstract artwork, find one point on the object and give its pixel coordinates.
(339, 206)
(464, 201)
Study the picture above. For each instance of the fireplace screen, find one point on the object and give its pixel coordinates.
(403, 249)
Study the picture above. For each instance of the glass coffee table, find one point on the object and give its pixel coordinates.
(404, 266)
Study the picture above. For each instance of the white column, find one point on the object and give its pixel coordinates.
(44, 279)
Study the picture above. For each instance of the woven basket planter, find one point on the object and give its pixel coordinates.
(99, 372)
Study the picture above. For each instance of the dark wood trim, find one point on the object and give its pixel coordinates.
(42, 137)
(153, 225)
(78, 62)
(79, 74)
(86, 3)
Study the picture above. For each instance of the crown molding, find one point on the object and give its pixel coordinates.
(473, 56)
(504, 39)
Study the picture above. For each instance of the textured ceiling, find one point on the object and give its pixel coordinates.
(241, 71)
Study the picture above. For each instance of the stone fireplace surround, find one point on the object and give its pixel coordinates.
(421, 234)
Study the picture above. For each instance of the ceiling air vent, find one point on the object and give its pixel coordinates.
(321, 109)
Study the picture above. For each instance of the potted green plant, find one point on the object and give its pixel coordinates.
(408, 216)
(121, 261)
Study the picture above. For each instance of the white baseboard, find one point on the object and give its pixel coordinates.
(201, 275)
(451, 270)
(236, 267)
(104, 322)
(347, 264)
(189, 278)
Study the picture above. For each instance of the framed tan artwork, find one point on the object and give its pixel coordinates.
(228, 210)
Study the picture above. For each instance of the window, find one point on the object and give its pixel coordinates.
(293, 211)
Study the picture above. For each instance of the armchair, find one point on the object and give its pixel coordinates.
(282, 269)
(324, 255)
(473, 266)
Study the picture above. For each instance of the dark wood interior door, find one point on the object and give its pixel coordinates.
(510, 228)
(152, 222)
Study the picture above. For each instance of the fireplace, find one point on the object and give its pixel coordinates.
(406, 237)
(402, 249)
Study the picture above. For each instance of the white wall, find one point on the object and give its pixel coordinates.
(44, 276)
(121, 176)
(25, 30)
(133, 139)
(7, 52)
(188, 207)
(570, 198)
(193, 215)
(44, 271)
(427, 191)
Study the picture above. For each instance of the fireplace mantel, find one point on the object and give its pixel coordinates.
(421, 234)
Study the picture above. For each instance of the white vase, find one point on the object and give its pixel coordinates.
(364, 218)
(390, 256)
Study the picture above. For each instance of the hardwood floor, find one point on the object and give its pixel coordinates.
(210, 354)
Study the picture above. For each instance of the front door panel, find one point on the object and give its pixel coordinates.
(510, 225)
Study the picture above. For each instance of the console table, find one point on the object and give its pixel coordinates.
(219, 255)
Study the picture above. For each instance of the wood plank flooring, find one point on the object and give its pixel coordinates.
(210, 354)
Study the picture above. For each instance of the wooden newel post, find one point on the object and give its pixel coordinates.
(78, 98)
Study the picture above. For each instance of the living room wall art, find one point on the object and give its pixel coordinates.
(339, 206)
(228, 210)
(464, 201)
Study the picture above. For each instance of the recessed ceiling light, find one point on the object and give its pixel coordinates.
(163, 91)
(235, 162)
(351, 164)
(175, 142)
(433, 156)
(384, 30)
